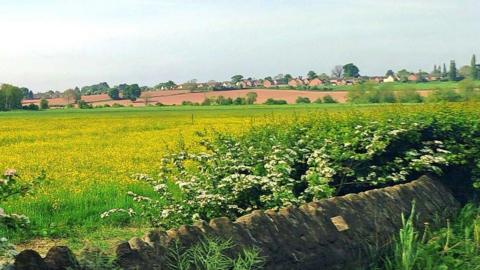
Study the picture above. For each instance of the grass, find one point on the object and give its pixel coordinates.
(455, 246)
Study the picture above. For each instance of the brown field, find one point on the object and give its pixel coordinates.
(176, 97)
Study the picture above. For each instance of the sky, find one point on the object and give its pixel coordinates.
(60, 44)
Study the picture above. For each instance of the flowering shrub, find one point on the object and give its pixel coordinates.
(9, 187)
(297, 162)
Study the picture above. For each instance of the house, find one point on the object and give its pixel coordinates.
(377, 79)
(390, 78)
(412, 77)
(295, 82)
(267, 84)
(432, 78)
(315, 82)
(337, 82)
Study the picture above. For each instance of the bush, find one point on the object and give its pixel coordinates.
(272, 101)
(444, 95)
(318, 101)
(11, 187)
(302, 100)
(117, 105)
(44, 104)
(285, 163)
(31, 107)
(187, 103)
(206, 102)
(251, 97)
(329, 99)
(409, 96)
(159, 104)
(239, 101)
(82, 104)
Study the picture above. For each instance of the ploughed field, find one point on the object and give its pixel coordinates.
(308, 151)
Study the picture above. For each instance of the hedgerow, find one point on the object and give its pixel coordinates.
(292, 162)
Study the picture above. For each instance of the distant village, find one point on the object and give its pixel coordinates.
(341, 75)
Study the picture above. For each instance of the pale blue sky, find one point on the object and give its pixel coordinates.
(58, 44)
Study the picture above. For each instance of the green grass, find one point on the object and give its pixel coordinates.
(455, 246)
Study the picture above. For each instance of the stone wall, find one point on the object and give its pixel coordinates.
(336, 233)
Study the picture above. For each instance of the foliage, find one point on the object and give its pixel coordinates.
(329, 99)
(272, 101)
(237, 78)
(44, 104)
(114, 93)
(82, 104)
(100, 88)
(210, 254)
(251, 97)
(11, 97)
(302, 100)
(31, 107)
(457, 246)
(452, 73)
(448, 95)
(350, 71)
(130, 91)
(281, 165)
(318, 101)
(409, 96)
(166, 85)
(11, 187)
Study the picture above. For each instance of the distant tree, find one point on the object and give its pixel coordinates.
(71, 96)
(452, 73)
(27, 94)
(337, 72)
(311, 75)
(465, 71)
(474, 72)
(131, 92)
(166, 85)
(403, 75)
(350, 71)
(251, 97)
(99, 88)
(390, 73)
(146, 98)
(288, 77)
(44, 104)
(269, 78)
(323, 77)
(114, 93)
(436, 72)
(10, 97)
(444, 71)
(237, 78)
(422, 76)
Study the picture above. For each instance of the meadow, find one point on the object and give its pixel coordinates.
(90, 156)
